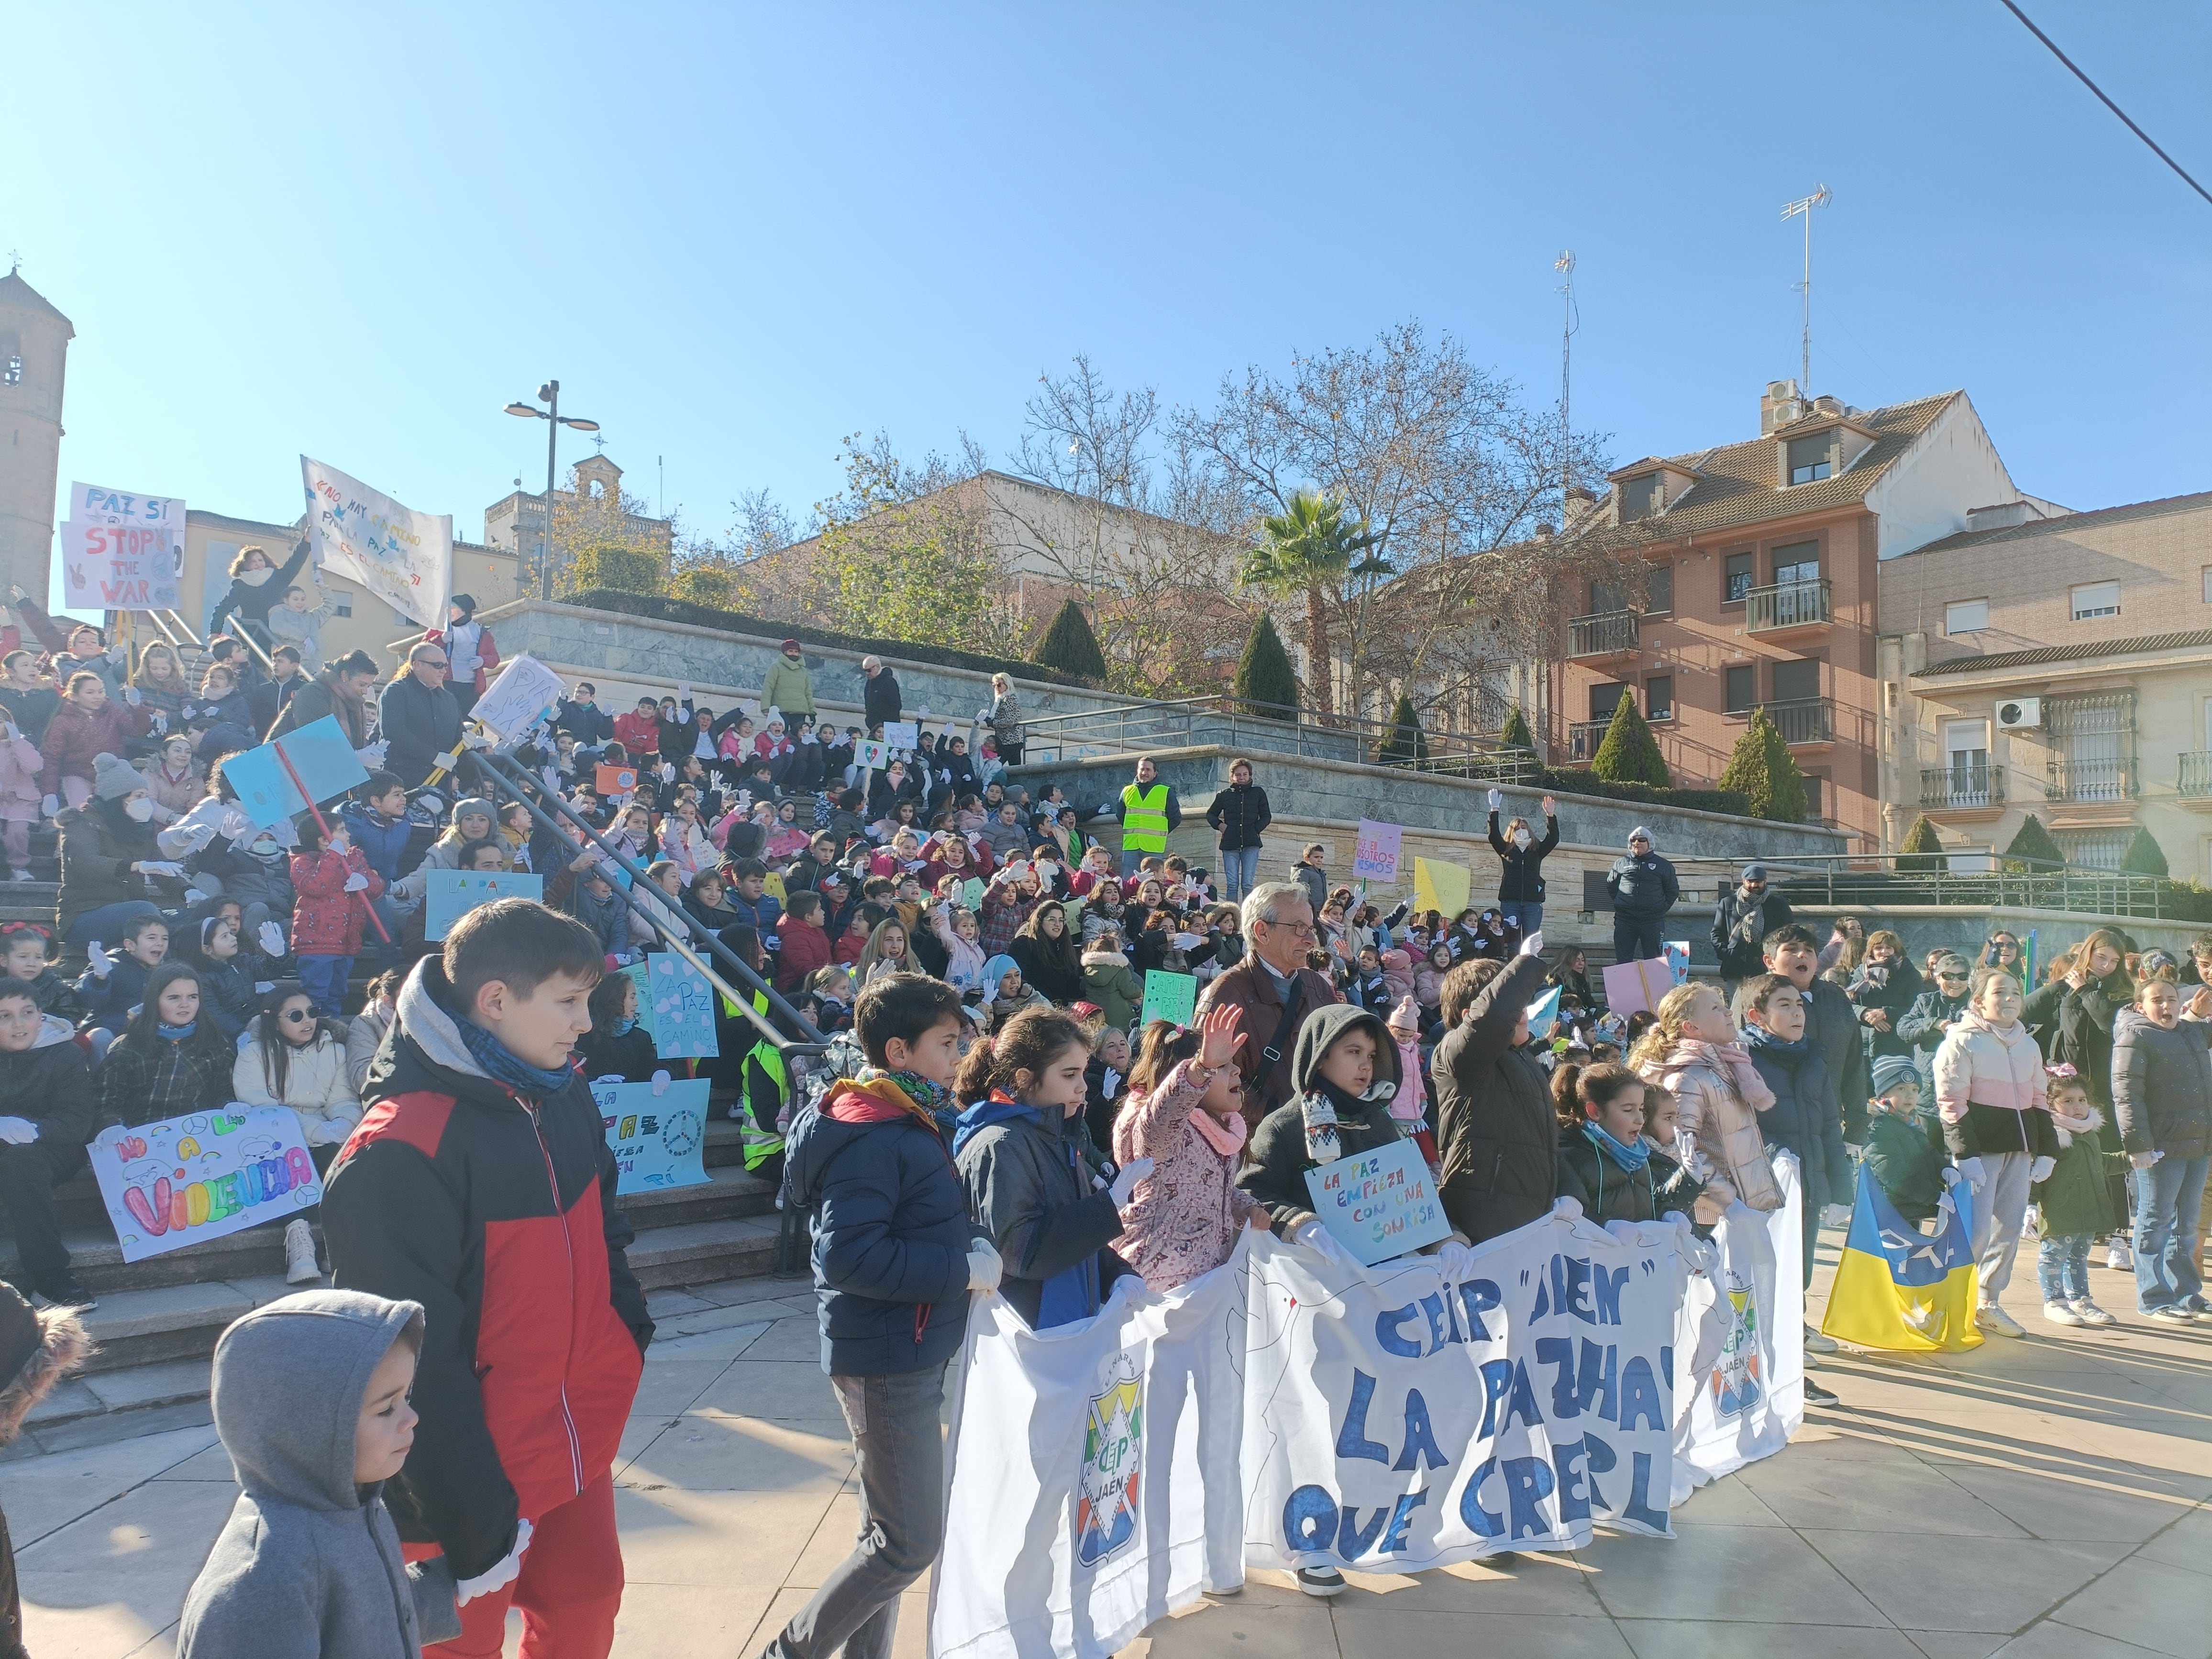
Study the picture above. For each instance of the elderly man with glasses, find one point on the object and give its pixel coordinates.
(1277, 989)
(419, 717)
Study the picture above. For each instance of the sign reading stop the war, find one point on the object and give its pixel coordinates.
(122, 550)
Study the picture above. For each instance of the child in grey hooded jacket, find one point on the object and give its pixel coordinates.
(310, 1400)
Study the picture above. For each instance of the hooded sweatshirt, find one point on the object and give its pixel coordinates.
(1321, 1123)
(309, 1565)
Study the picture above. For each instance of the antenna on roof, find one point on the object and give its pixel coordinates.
(1564, 265)
(1803, 206)
(15, 261)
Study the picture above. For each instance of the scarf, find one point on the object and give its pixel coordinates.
(622, 1028)
(1766, 1042)
(1224, 1135)
(1728, 1060)
(1630, 1158)
(935, 1098)
(175, 1033)
(502, 1065)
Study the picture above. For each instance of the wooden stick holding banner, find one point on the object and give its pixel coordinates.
(278, 743)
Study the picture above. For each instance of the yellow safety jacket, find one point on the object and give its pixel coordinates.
(1145, 818)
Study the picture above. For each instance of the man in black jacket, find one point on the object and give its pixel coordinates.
(46, 1113)
(879, 698)
(1744, 915)
(418, 716)
(1644, 889)
(581, 715)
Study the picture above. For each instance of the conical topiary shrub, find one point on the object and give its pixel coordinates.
(2144, 856)
(1515, 734)
(1266, 684)
(1405, 743)
(1070, 646)
(2032, 848)
(1922, 852)
(1630, 754)
(1762, 769)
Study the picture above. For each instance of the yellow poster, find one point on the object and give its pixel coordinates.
(1441, 887)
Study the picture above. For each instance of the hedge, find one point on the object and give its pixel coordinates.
(1577, 782)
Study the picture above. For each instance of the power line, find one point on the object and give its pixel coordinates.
(2107, 102)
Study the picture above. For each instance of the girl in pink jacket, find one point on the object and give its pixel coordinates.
(1183, 1112)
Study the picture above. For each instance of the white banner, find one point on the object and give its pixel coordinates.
(404, 557)
(94, 504)
(1093, 1472)
(1740, 1339)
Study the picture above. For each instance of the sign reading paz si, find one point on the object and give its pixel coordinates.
(1379, 1204)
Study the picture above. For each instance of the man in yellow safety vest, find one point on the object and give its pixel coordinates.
(1149, 812)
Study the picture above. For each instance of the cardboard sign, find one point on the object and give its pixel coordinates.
(524, 690)
(1544, 1014)
(319, 752)
(91, 504)
(683, 1005)
(404, 557)
(1379, 1204)
(1440, 887)
(1169, 996)
(872, 754)
(658, 1140)
(641, 975)
(1677, 952)
(121, 567)
(451, 893)
(1630, 986)
(191, 1179)
(1376, 855)
(615, 779)
(904, 734)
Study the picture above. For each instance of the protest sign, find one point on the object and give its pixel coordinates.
(404, 557)
(872, 754)
(658, 1140)
(682, 1008)
(1379, 1204)
(1896, 1288)
(1544, 1013)
(187, 1180)
(1375, 857)
(92, 504)
(320, 754)
(450, 895)
(525, 690)
(904, 734)
(615, 779)
(1092, 1471)
(1168, 996)
(1630, 986)
(642, 976)
(1677, 953)
(125, 567)
(1441, 887)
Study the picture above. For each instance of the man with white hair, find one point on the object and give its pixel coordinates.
(1275, 989)
(879, 698)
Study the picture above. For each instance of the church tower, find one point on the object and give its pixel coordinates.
(33, 356)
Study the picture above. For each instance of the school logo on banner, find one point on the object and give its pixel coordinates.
(1736, 1379)
(1113, 1459)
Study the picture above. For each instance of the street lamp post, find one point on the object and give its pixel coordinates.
(550, 394)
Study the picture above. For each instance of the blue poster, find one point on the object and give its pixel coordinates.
(658, 1140)
(683, 1005)
(319, 753)
(451, 893)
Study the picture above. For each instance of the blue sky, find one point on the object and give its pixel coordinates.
(737, 232)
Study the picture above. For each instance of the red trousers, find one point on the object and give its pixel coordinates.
(570, 1591)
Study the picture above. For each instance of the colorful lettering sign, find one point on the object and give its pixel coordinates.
(657, 1135)
(187, 1180)
(1380, 1204)
(404, 557)
(1376, 856)
(451, 893)
(121, 567)
(682, 1008)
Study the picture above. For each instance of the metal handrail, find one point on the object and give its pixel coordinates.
(2032, 883)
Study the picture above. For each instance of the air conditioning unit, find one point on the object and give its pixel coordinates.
(2020, 714)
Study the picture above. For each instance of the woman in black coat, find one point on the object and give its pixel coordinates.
(1048, 955)
(1521, 886)
(1497, 1131)
(1238, 814)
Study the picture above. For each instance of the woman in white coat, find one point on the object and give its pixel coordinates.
(291, 1059)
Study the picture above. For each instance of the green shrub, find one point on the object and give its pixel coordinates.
(1406, 742)
(1630, 754)
(1923, 851)
(2144, 856)
(1764, 771)
(1069, 645)
(1266, 684)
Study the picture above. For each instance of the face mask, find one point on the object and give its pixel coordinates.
(263, 848)
(140, 810)
(1522, 838)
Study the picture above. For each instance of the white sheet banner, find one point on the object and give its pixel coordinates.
(1093, 1472)
(1740, 1336)
(404, 557)
(1440, 1407)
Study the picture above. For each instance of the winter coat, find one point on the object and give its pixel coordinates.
(73, 737)
(316, 1087)
(801, 948)
(1608, 1193)
(1921, 1031)
(630, 1056)
(254, 593)
(588, 723)
(1251, 988)
(1521, 880)
(1643, 886)
(787, 687)
(639, 734)
(97, 850)
(310, 1563)
(248, 877)
(317, 699)
(2087, 1032)
(1283, 1148)
(50, 1083)
(1905, 1155)
(1832, 1026)
(2077, 1197)
(2162, 1084)
(1315, 880)
(1183, 1219)
(1804, 1119)
(1042, 972)
(1031, 1191)
(1741, 925)
(1497, 1134)
(1720, 1095)
(496, 1210)
(963, 958)
(420, 722)
(1990, 1091)
(172, 797)
(465, 640)
(175, 1079)
(364, 1036)
(327, 919)
(382, 841)
(227, 993)
(1004, 717)
(1239, 813)
(1900, 989)
(879, 700)
(21, 765)
(1108, 981)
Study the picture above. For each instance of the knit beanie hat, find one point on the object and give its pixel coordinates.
(1640, 833)
(470, 804)
(112, 780)
(1890, 1070)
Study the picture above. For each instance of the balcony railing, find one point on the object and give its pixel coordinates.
(1604, 634)
(1584, 737)
(2092, 780)
(1804, 720)
(1962, 786)
(2195, 780)
(1787, 605)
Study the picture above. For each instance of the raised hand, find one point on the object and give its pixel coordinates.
(102, 963)
(1550, 807)
(1217, 1035)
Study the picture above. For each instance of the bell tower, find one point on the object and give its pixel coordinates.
(33, 357)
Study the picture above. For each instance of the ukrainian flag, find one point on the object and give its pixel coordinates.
(1898, 1288)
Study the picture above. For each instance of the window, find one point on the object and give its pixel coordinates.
(1798, 562)
(1659, 589)
(1604, 699)
(1606, 595)
(2096, 599)
(1639, 497)
(2094, 737)
(11, 358)
(1966, 615)
(1816, 789)
(341, 604)
(1659, 697)
(1741, 687)
(1811, 458)
(2208, 584)
(1736, 577)
(1797, 680)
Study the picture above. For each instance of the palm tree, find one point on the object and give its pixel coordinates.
(1309, 548)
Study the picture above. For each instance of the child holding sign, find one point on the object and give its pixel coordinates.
(1344, 1073)
(335, 888)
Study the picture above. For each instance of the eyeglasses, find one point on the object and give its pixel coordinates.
(434, 662)
(1295, 929)
(297, 1015)
(1942, 974)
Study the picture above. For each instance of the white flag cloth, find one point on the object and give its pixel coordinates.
(404, 557)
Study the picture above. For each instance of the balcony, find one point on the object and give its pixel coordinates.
(1803, 720)
(1963, 791)
(1787, 608)
(1584, 737)
(1603, 634)
(2193, 781)
(2093, 782)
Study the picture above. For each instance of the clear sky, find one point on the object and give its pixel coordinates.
(737, 232)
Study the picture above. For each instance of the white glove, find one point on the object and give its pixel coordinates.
(476, 740)
(1835, 1215)
(161, 724)
(1497, 799)
(466, 665)
(2144, 1160)
(50, 805)
(2041, 1168)
(1311, 1234)
(1534, 944)
(667, 773)
(102, 963)
(1971, 1169)
(236, 826)
(132, 696)
(500, 1574)
(449, 760)
(372, 756)
(161, 867)
(356, 883)
(18, 1131)
(272, 938)
(193, 896)
(1125, 1182)
(985, 1269)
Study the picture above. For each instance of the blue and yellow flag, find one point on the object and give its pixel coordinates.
(1898, 1289)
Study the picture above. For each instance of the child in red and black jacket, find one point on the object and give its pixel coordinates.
(326, 916)
(480, 1184)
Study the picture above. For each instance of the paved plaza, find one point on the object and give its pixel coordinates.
(2040, 1497)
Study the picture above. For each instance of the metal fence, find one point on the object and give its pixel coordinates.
(1786, 604)
(1962, 881)
(1962, 786)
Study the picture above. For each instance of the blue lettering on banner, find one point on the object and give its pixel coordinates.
(1420, 1441)
(1352, 1439)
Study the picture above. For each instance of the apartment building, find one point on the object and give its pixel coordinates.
(2061, 666)
(1744, 576)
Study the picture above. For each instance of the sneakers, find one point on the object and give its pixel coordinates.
(2060, 1313)
(2197, 1309)
(2173, 1314)
(2089, 1313)
(300, 1266)
(1320, 1581)
(2118, 1257)
(1817, 1395)
(1997, 1322)
(1816, 1343)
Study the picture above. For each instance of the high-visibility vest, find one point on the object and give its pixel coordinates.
(760, 1144)
(1145, 818)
